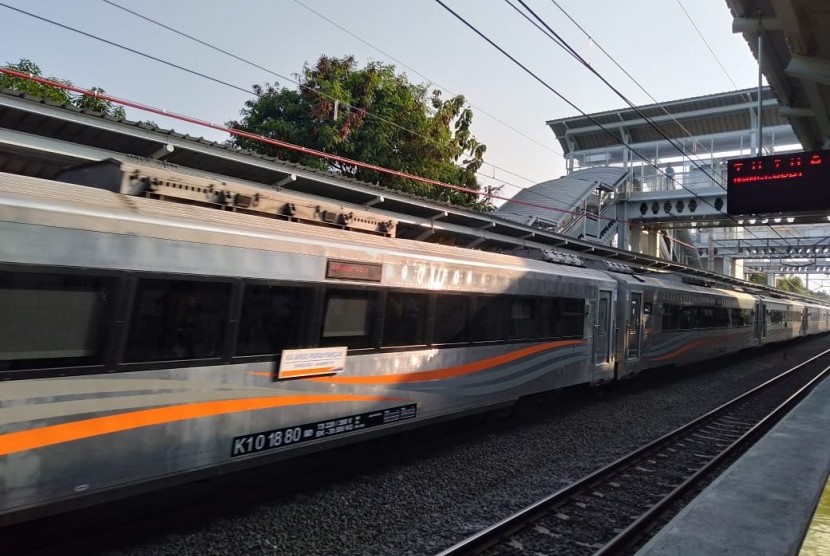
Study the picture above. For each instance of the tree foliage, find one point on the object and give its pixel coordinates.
(56, 94)
(757, 278)
(373, 115)
(792, 284)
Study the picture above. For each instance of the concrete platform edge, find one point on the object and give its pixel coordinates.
(763, 504)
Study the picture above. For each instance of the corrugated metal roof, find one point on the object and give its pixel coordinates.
(700, 116)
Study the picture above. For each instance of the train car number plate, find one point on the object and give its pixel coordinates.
(270, 440)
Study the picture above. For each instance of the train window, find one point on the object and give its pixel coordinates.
(177, 319)
(349, 318)
(522, 323)
(405, 322)
(53, 320)
(562, 317)
(742, 317)
(452, 314)
(273, 319)
(602, 317)
(489, 318)
(775, 317)
(573, 318)
(677, 317)
(714, 317)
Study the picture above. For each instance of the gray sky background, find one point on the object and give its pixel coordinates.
(653, 39)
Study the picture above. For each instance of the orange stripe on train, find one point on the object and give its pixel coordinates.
(682, 350)
(96, 426)
(696, 343)
(449, 372)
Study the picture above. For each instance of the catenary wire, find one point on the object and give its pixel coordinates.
(160, 60)
(715, 56)
(299, 84)
(614, 61)
(708, 47)
(199, 74)
(549, 87)
(278, 143)
(272, 141)
(422, 76)
(631, 77)
(253, 64)
(582, 61)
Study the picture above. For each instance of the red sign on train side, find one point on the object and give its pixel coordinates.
(781, 183)
(345, 270)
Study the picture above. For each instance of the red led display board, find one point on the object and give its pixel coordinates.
(344, 270)
(781, 183)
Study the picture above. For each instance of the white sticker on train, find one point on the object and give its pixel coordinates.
(312, 362)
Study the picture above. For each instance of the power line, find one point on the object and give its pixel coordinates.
(270, 141)
(177, 66)
(631, 77)
(128, 49)
(413, 70)
(280, 76)
(261, 138)
(199, 74)
(542, 82)
(253, 64)
(717, 59)
(712, 52)
(560, 41)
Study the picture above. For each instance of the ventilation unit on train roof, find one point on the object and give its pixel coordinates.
(169, 182)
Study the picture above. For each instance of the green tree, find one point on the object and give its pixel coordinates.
(791, 284)
(56, 94)
(373, 115)
(97, 104)
(758, 278)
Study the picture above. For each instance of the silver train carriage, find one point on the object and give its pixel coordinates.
(144, 342)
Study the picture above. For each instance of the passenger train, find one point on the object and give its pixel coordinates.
(144, 342)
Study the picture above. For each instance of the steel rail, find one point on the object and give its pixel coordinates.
(503, 529)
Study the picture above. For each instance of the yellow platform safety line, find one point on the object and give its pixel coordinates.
(817, 541)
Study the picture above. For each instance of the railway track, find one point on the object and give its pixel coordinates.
(615, 508)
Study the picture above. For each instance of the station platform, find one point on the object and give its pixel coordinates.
(765, 503)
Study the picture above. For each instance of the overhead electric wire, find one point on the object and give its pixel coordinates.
(268, 140)
(564, 44)
(639, 112)
(261, 138)
(554, 36)
(712, 52)
(631, 77)
(547, 86)
(720, 64)
(174, 65)
(299, 84)
(128, 49)
(253, 64)
(579, 58)
(415, 71)
(219, 81)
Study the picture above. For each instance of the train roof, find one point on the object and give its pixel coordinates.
(91, 206)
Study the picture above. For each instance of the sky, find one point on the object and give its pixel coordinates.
(656, 41)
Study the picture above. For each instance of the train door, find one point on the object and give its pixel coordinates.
(760, 322)
(805, 321)
(603, 328)
(635, 325)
